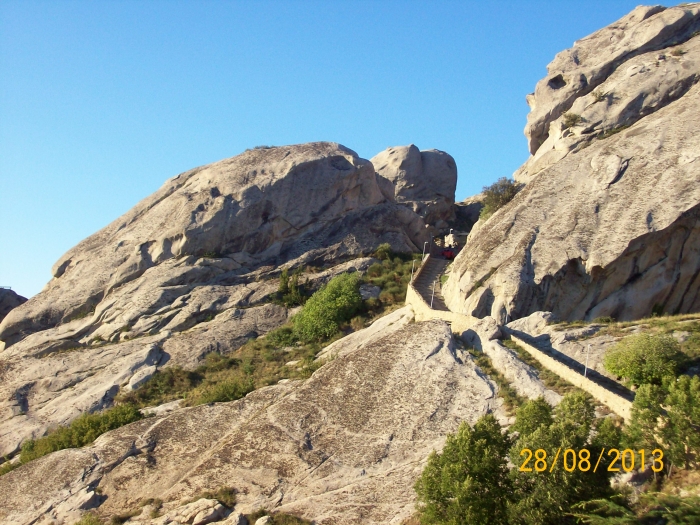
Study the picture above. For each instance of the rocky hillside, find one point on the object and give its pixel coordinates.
(189, 270)
(608, 223)
(343, 447)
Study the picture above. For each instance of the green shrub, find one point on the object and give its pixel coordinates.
(80, 432)
(571, 119)
(334, 303)
(384, 252)
(224, 391)
(89, 519)
(645, 359)
(168, 384)
(282, 336)
(498, 195)
(224, 495)
(599, 96)
(532, 415)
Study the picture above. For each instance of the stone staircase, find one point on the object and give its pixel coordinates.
(433, 268)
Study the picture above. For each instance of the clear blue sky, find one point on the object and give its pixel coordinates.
(101, 102)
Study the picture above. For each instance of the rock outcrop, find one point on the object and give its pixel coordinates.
(189, 271)
(608, 56)
(609, 222)
(425, 181)
(343, 447)
(242, 211)
(8, 301)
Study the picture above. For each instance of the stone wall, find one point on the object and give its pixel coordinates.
(613, 401)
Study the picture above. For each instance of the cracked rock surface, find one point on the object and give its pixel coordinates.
(343, 447)
(608, 223)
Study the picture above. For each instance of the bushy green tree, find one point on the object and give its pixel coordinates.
(647, 414)
(468, 483)
(325, 310)
(543, 498)
(498, 195)
(290, 292)
(532, 415)
(644, 358)
(284, 283)
(682, 428)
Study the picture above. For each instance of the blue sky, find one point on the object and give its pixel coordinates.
(101, 102)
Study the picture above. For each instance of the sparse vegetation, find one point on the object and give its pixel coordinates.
(510, 397)
(498, 195)
(119, 519)
(89, 519)
(549, 378)
(677, 52)
(599, 96)
(613, 131)
(571, 119)
(224, 495)
(82, 431)
(277, 518)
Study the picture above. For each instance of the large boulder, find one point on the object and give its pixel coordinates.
(592, 60)
(610, 223)
(8, 301)
(425, 180)
(343, 447)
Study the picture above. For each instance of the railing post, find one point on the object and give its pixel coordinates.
(433, 296)
(412, 268)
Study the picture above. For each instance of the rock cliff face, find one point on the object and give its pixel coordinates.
(8, 301)
(343, 447)
(425, 181)
(609, 222)
(188, 271)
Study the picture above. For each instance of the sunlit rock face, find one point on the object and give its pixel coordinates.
(425, 181)
(609, 221)
(189, 270)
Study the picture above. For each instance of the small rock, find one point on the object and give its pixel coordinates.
(235, 519)
(263, 521)
(161, 409)
(208, 515)
(681, 337)
(291, 363)
(369, 291)
(140, 377)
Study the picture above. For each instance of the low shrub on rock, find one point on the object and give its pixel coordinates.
(498, 195)
(82, 431)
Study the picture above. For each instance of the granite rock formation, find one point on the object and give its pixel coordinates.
(343, 447)
(609, 222)
(188, 271)
(425, 181)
